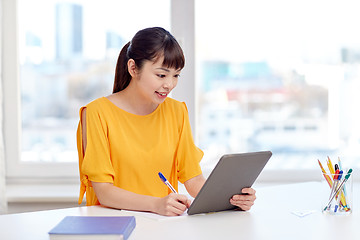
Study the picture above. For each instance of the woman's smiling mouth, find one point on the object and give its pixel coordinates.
(162, 94)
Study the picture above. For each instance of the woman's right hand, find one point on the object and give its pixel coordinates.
(172, 205)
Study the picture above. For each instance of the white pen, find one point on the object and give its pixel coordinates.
(167, 182)
(337, 177)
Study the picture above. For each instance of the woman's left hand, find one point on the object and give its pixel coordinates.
(244, 201)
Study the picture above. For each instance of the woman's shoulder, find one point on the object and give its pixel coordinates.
(97, 104)
(175, 109)
(99, 101)
(174, 104)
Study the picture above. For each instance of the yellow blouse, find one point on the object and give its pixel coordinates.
(129, 150)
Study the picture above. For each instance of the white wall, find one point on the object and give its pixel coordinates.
(3, 202)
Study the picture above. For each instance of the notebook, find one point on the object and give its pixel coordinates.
(91, 227)
(232, 173)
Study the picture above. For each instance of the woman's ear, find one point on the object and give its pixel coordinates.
(132, 67)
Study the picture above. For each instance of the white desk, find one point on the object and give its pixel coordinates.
(270, 218)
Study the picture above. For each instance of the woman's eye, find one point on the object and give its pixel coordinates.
(161, 75)
(177, 76)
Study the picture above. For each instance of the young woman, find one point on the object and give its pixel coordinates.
(126, 138)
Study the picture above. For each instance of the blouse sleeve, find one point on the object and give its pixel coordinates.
(188, 154)
(95, 164)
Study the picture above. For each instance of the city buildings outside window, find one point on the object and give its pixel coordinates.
(274, 78)
(279, 78)
(68, 54)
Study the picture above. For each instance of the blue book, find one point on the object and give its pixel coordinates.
(93, 227)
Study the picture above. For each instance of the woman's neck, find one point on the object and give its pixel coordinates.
(130, 101)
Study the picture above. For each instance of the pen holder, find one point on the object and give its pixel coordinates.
(338, 200)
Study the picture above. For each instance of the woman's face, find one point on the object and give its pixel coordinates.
(155, 82)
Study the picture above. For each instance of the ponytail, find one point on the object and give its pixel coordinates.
(122, 75)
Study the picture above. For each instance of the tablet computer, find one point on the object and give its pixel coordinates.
(232, 173)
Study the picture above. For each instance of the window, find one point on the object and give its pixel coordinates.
(270, 75)
(64, 58)
(283, 76)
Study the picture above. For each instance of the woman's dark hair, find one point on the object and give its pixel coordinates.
(148, 44)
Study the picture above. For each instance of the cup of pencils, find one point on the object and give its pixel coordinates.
(339, 184)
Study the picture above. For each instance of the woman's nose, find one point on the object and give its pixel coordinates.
(168, 84)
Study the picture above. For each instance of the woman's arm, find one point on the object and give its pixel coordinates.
(193, 185)
(115, 197)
